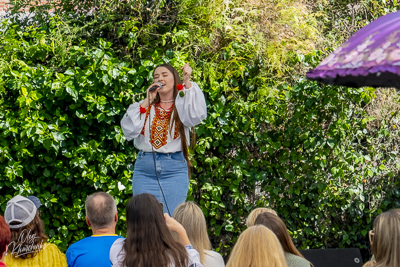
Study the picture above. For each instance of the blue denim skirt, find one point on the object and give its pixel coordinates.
(172, 171)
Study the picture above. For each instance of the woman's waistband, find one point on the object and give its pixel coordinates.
(142, 153)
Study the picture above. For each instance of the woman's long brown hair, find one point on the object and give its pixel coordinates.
(276, 225)
(35, 229)
(149, 242)
(176, 120)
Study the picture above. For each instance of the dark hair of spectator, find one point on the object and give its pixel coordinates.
(149, 242)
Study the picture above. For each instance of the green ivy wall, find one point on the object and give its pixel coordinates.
(314, 153)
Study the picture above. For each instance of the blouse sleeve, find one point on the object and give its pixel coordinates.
(133, 121)
(117, 253)
(191, 107)
(194, 257)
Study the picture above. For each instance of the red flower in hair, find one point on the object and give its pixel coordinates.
(179, 87)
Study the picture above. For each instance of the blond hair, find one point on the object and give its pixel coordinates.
(253, 215)
(192, 219)
(256, 247)
(278, 227)
(369, 264)
(386, 239)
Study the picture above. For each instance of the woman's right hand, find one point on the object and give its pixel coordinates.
(150, 95)
(175, 226)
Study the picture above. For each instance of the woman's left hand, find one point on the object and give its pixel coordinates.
(187, 71)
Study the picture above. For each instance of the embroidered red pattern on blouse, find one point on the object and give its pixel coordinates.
(159, 127)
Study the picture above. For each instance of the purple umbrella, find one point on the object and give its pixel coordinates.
(371, 57)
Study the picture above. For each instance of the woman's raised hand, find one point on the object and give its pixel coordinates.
(187, 71)
(175, 226)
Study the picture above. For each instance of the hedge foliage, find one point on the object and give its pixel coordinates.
(324, 157)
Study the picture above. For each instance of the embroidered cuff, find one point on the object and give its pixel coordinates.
(184, 87)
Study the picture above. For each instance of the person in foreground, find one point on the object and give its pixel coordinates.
(102, 217)
(385, 240)
(160, 124)
(5, 236)
(192, 219)
(277, 226)
(149, 242)
(257, 246)
(28, 245)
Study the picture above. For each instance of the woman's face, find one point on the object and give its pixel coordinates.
(164, 76)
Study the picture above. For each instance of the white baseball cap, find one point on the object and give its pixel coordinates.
(20, 211)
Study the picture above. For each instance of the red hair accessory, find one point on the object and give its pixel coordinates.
(142, 110)
(179, 87)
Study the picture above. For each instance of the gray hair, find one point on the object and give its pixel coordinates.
(100, 210)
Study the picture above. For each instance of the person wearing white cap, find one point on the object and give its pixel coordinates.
(28, 245)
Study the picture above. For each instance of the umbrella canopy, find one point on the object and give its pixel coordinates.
(371, 57)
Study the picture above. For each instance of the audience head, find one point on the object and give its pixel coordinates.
(192, 219)
(101, 211)
(145, 214)
(23, 217)
(5, 236)
(149, 240)
(385, 239)
(257, 246)
(253, 215)
(278, 227)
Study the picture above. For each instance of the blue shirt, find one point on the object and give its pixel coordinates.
(91, 251)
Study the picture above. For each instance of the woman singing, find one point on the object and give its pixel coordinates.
(159, 126)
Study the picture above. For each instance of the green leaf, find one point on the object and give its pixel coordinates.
(24, 91)
(46, 173)
(106, 79)
(47, 143)
(114, 73)
(69, 72)
(58, 136)
(71, 90)
(35, 95)
(138, 80)
(229, 228)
